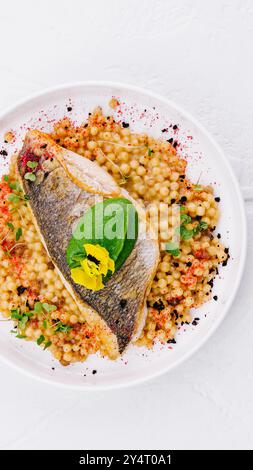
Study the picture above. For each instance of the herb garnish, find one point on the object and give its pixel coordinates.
(18, 234)
(32, 165)
(96, 227)
(187, 234)
(40, 340)
(61, 328)
(10, 225)
(40, 306)
(22, 318)
(172, 248)
(30, 176)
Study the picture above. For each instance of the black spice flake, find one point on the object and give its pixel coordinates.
(164, 130)
(4, 153)
(123, 303)
(125, 125)
(217, 199)
(94, 372)
(69, 108)
(21, 290)
(215, 297)
(158, 305)
(171, 341)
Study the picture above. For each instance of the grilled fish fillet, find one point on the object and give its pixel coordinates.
(66, 186)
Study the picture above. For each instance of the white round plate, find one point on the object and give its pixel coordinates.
(146, 112)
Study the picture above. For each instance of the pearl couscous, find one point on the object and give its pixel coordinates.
(31, 291)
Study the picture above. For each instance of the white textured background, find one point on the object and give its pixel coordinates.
(198, 53)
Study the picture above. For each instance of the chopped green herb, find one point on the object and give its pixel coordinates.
(172, 248)
(15, 186)
(150, 151)
(11, 226)
(20, 336)
(15, 314)
(49, 308)
(200, 227)
(32, 164)
(185, 233)
(30, 176)
(61, 328)
(13, 198)
(45, 324)
(18, 234)
(185, 219)
(6, 178)
(40, 340)
(197, 187)
(47, 344)
(22, 323)
(38, 307)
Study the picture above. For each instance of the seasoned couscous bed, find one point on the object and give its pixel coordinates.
(31, 291)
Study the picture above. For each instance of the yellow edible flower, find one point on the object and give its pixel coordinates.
(97, 263)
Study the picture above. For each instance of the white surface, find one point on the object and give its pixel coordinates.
(199, 56)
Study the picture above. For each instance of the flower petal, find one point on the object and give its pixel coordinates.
(99, 283)
(79, 276)
(111, 265)
(90, 267)
(97, 251)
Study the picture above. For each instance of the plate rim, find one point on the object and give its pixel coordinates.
(244, 234)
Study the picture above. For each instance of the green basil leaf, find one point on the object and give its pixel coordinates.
(112, 224)
(75, 248)
(131, 237)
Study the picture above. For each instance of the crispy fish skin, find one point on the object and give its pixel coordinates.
(57, 203)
